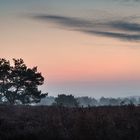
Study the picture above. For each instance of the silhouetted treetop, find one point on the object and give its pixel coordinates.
(18, 83)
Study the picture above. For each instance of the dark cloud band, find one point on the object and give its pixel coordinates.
(119, 29)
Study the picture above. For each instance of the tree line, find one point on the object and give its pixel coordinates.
(85, 101)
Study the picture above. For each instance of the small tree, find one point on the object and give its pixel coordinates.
(19, 84)
(66, 100)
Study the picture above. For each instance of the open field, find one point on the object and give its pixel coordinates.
(44, 123)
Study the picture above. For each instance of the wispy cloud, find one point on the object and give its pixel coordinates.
(126, 26)
(129, 0)
(132, 0)
(122, 36)
(119, 29)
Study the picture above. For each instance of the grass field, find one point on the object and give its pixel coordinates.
(48, 123)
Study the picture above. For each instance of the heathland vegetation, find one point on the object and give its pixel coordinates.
(63, 123)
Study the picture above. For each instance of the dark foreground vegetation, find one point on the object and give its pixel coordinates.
(48, 123)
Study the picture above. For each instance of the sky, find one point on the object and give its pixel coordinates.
(81, 47)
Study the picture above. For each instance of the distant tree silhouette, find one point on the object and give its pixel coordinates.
(66, 101)
(114, 102)
(104, 101)
(19, 84)
(86, 101)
